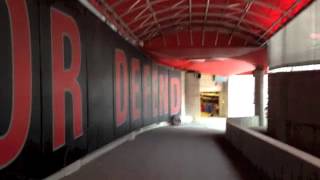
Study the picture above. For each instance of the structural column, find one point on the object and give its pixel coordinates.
(192, 95)
(258, 95)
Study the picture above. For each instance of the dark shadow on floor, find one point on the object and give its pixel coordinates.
(171, 153)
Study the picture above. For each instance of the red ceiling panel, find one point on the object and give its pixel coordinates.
(181, 24)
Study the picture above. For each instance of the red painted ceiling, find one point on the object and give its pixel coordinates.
(213, 36)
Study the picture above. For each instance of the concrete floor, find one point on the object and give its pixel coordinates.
(171, 153)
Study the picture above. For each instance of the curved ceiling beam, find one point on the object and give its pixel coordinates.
(221, 6)
(206, 12)
(185, 15)
(241, 20)
(219, 29)
(183, 5)
(155, 19)
(151, 32)
(199, 24)
(186, 7)
(190, 21)
(262, 3)
(141, 7)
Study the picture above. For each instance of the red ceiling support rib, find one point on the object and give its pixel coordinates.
(155, 2)
(216, 6)
(217, 29)
(189, 25)
(133, 5)
(138, 19)
(209, 15)
(176, 15)
(216, 40)
(117, 3)
(190, 22)
(244, 13)
(268, 5)
(156, 21)
(205, 22)
(186, 7)
(208, 23)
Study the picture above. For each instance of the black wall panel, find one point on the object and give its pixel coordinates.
(87, 86)
(135, 93)
(147, 105)
(288, 118)
(163, 93)
(175, 92)
(100, 79)
(155, 93)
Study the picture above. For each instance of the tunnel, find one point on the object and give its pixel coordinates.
(159, 89)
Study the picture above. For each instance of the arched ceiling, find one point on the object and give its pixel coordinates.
(160, 26)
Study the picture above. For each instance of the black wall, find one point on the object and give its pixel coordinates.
(293, 109)
(71, 85)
